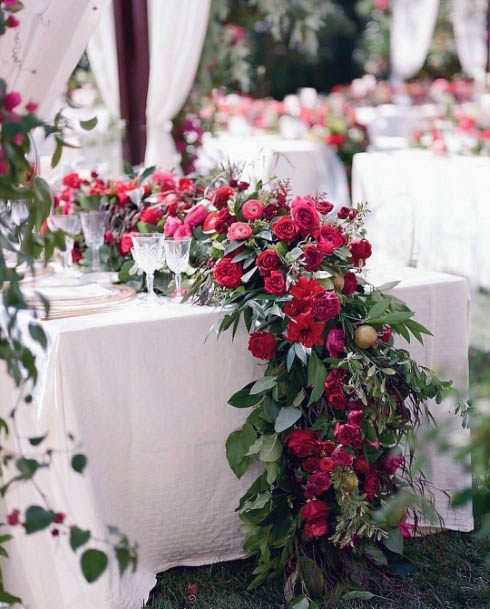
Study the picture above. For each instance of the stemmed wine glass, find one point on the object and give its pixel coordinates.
(70, 225)
(149, 254)
(177, 252)
(93, 225)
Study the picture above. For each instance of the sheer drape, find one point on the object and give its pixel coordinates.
(38, 57)
(411, 33)
(470, 30)
(177, 31)
(102, 54)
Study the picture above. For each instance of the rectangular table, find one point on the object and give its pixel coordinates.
(144, 391)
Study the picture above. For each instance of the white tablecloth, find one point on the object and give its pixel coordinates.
(427, 210)
(310, 166)
(145, 393)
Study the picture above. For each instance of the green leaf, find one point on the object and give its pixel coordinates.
(36, 440)
(264, 384)
(37, 519)
(386, 287)
(394, 541)
(243, 399)
(363, 595)
(271, 448)
(38, 334)
(378, 309)
(10, 599)
(376, 555)
(300, 602)
(93, 564)
(286, 418)
(129, 171)
(78, 537)
(89, 124)
(237, 446)
(27, 467)
(55, 159)
(79, 462)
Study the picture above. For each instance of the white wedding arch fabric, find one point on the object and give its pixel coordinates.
(412, 27)
(470, 30)
(177, 29)
(38, 57)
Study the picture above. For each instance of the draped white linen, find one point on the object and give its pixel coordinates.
(102, 54)
(38, 57)
(177, 29)
(411, 33)
(470, 30)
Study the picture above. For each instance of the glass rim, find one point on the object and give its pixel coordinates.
(178, 239)
(138, 235)
(90, 212)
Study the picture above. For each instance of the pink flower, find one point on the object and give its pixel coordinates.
(171, 225)
(13, 518)
(31, 106)
(335, 342)
(196, 216)
(12, 100)
(252, 209)
(239, 231)
(326, 306)
(182, 232)
(12, 21)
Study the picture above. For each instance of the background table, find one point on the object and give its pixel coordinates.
(145, 393)
(430, 211)
(310, 166)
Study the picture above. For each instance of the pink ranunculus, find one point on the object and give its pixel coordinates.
(171, 225)
(239, 231)
(196, 216)
(335, 342)
(252, 209)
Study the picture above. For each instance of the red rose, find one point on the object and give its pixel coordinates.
(262, 345)
(329, 239)
(76, 254)
(342, 457)
(393, 463)
(335, 380)
(302, 443)
(315, 510)
(152, 215)
(343, 213)
(327, 464)
(228, 273)
(221, 196)
(316, 528)
(72, 180)
(370, 484)
(126, 243)
(326, 306)
(305, 330)
(186, 185)
(350, 284)
(317, 485)
(348, 435)
(324, 207)
(311, 464)
(304, 216)
(313, 258)
(268, 261)
(335, 342)
(360, 250)
(361, 466)
(284, 229)
(327, 447)
(337, 400)
(355, 417)
(223, 221)
(275, 283)
(387, 334)
(271, 211)
(108, 237)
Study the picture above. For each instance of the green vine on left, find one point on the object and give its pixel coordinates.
(25, 203)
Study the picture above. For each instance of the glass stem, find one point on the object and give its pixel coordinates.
(149, 286)
(178, 285)
(95, 259)
(67, 259)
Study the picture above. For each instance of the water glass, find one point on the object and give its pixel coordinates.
(93, 225)
(177, 253)
(149, 254)
(70, 225)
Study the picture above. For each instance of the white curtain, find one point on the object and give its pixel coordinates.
(102, 54)
(177, 29)
(38, 57)
(411, 33)
(470, 30)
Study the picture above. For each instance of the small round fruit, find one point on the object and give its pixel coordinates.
(350, 483)
(365, 337)
(338, 282)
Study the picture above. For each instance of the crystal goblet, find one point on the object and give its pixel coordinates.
(149, 254)
(93, 225)
(70, 225)
(177, 251)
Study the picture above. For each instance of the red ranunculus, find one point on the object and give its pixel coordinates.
(350, 284)
(335, 342)
(342, 457)
(228, 273)
(302, 443)
(221, 196)
(152, 215)
(326, 306)
(239, 231)
(360, 250)
(313, 258)
(262, 345)
(268, 261)
(284, 229)
(330, 238)
(252, 209)
(275, 283)
(304, 216)
(305, 330)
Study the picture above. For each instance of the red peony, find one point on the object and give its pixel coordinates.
(284, 229)
(268, 261)
(305, 330)
(221, 196)
(228, 273)
(302, 443)
(152, 215)
(252, 209)
(350, 284)
(275, 283)
(342, 457)
(262, 345)
(326, 306)
(330, 238)
(313, 258)
(304, 216)
(335, 342)
(360, 250)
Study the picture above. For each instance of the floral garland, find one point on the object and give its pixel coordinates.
(337, 397)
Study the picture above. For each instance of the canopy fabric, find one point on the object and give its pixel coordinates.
(412, 28)
(470, 30)
(177, 29)
(38, 57)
